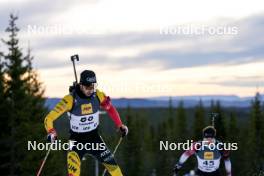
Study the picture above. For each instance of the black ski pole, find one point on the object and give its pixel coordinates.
(116, 147)
(214, 115)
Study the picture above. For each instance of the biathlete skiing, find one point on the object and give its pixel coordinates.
(82, 105)
(208, 159)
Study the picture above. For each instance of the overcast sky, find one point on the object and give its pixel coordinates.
(144, 48)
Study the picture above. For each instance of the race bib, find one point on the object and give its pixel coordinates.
(84, 123)
(208, 165)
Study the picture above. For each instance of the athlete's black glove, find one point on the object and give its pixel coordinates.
(123, 130)
(177, 167)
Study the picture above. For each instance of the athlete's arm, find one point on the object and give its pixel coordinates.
(107, 105)
(184, 157)
(187, 154)
(64, 105)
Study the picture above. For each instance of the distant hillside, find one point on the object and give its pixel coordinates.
(189, 101)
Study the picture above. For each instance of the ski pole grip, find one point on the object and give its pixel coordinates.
(75, 57)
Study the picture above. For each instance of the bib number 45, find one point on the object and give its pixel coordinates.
(208, 163)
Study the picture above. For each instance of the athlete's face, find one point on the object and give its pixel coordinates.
(87, 90)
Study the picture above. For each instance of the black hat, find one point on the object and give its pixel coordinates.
(209, 132)
(87, 77)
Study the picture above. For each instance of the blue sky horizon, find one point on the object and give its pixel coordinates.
(143, 48)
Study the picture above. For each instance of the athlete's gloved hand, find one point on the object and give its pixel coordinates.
(177, 167)
(123, 130)
(52, 135)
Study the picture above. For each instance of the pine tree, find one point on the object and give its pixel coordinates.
(233, 130)
(181, 122)
(24, 96)
(4, 142)
(133, 147)
(181, 135)
(163, 157)
(220, 123)
(256, 136)
(3, 117)
(199, 121)
(170, 131)
(14, 83)
(2, 82)
(233, 137)
(170, 108)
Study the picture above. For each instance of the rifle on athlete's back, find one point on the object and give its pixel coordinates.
(75, 83)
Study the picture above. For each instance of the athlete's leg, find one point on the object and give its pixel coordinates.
(74, 157)
(74, 163)
(201, 173)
